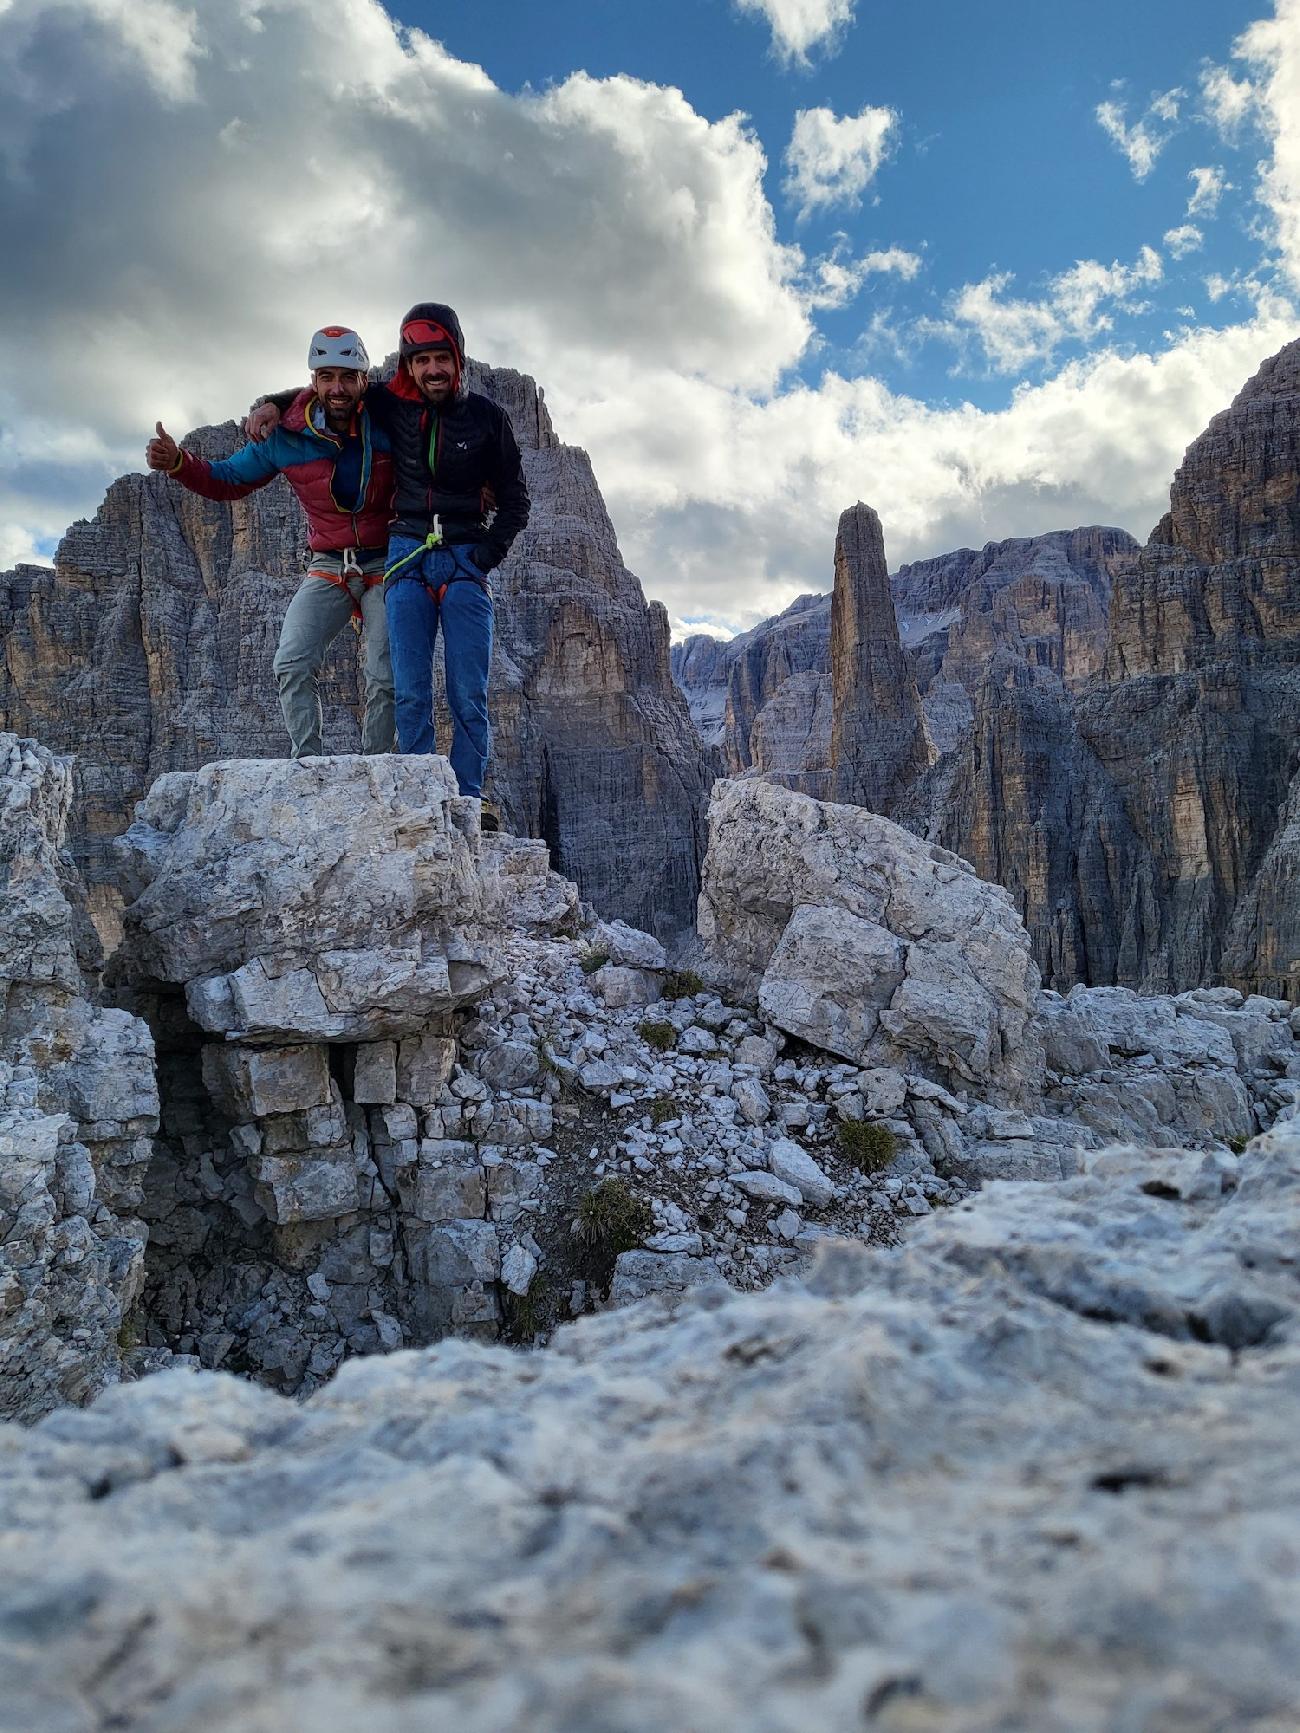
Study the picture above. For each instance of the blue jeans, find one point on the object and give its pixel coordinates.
(465, 614)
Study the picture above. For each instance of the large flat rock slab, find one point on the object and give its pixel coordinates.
(324, 899)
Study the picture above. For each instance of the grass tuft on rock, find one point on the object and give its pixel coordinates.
(662, 1109)
(612, 1219)
(682, 984)
(524, 1316)
(867, 1146)
(660, 1036)
(593, 960)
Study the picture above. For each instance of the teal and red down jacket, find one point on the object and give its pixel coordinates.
(308, 456)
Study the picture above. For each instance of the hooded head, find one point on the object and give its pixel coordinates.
(431, 337)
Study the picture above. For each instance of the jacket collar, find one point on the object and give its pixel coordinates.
(307, 415)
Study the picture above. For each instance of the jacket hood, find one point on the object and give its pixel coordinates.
(437, 313)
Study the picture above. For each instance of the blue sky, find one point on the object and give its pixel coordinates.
(998, 164)
(989, 268)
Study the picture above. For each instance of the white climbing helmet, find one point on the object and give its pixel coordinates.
(337, 346)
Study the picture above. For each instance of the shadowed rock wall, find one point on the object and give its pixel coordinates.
(1141, 818)
(878, 739)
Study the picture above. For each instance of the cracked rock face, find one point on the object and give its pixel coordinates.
(306, 938)
(831, 1500)
(879, 742)
(78, 1107)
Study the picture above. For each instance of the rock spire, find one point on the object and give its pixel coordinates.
(878, 736)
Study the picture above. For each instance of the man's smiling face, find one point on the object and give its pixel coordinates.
(434, 372)
(339, 389)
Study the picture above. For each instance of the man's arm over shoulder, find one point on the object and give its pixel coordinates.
(506, 474)
(266, 413)
(381, 400)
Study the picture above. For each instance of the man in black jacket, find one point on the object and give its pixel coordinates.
(453, 450)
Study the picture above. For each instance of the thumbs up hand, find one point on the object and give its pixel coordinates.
(162, 451)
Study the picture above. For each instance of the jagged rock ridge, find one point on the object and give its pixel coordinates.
(1045, 597)
(1137, 819)
(148, 648)
(1117, 724)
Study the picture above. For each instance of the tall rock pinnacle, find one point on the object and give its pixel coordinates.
(879, 741)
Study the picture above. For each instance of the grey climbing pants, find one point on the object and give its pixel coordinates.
(317, 614)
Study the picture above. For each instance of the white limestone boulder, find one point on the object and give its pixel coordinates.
(325, 899)
(862, 939)
(521, 890)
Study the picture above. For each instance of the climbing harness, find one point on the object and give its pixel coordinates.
(350, 566)
(431, 541)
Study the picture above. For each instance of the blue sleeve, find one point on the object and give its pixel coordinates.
(252, 465)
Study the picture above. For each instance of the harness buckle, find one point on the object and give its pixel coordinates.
(350, 562)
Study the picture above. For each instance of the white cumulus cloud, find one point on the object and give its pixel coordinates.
(1208, 187)
(832, 159)
(1185, 239)
(835, 279)
(743, 519)
(800, 25)
(1272, 49)
(1228, 102)
(1143, 140)
(1079, 305)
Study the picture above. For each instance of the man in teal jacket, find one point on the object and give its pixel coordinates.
(338, 463)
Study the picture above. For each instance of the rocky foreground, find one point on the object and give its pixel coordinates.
(370, 1079)
(1035, 1472)
(964, 1385)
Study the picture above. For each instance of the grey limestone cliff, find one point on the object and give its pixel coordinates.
(1044, 598)
(1140, 815)
(727, 684)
